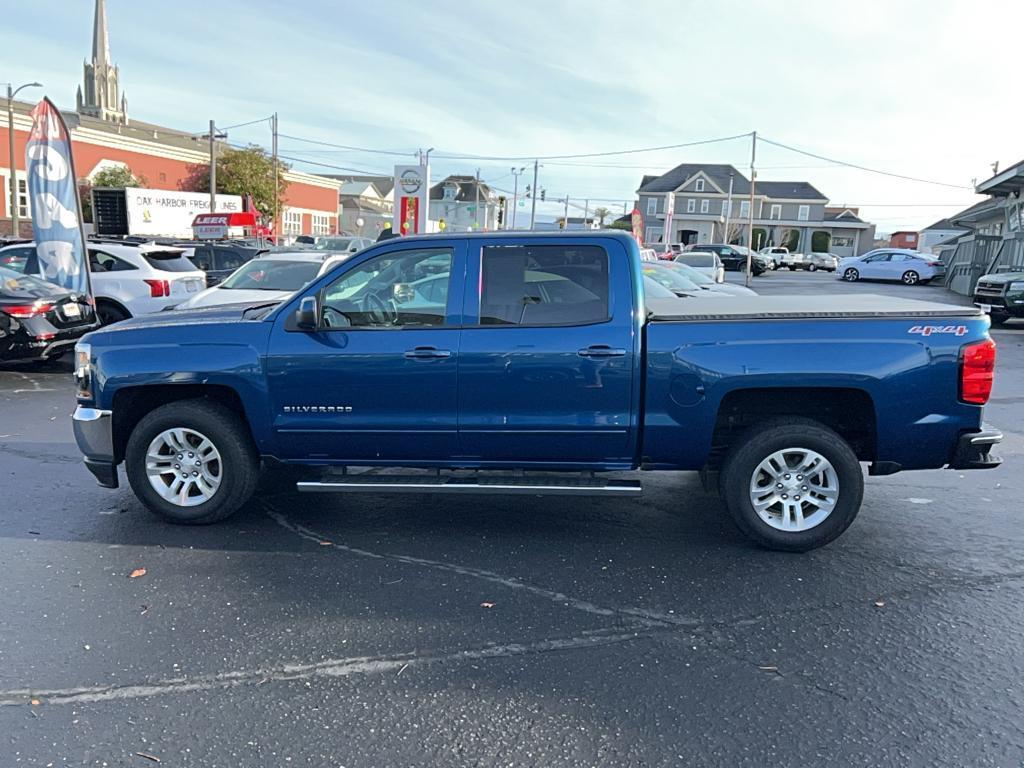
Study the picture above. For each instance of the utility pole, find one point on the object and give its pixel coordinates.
(213, 168)
(750, 220)
(273, 128)
(533, 200)
(566, 215)
(728, 211)
(586, 213)
(516, 173)
(476, 210)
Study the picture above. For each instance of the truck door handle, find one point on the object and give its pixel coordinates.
(601, 350)
(427, 353)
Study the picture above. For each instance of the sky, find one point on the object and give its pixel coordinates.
(924, 88)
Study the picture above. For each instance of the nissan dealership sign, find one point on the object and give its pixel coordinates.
(164, 212)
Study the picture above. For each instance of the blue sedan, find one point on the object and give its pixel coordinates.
(898, 264)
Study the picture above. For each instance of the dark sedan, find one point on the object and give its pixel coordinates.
(39, 320)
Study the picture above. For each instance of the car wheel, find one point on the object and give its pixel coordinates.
(851, 275)
(192, 462)
(108, 313)
(910, 277)
(792, 485)
(812, 268)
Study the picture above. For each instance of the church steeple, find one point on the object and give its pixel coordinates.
(101, 94)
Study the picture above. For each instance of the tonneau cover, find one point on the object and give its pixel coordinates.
(853, 306)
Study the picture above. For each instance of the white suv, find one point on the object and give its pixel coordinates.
(127, 280)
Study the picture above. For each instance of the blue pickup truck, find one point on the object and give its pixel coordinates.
(535, 363)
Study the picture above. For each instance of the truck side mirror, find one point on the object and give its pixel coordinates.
(306, 314)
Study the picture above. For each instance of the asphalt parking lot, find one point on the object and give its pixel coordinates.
(420, 631)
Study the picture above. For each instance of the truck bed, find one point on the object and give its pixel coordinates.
(863, 306)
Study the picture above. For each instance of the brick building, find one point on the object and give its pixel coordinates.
(103, 136)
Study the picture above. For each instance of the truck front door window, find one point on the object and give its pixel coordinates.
(544, 285)
(399, 289)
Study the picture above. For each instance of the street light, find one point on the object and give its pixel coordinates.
(10, 152)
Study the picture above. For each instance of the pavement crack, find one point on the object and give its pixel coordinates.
(333, 668)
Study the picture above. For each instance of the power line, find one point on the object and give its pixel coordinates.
(251, 122)
(862, 167)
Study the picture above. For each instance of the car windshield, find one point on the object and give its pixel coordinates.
(704, 260)
(271, 275)
(168, 261)
(14, 285)
(690, 273)
(655, 290)
(670, 278)
(333, 244)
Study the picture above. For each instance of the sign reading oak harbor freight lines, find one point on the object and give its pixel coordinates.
(168, 213)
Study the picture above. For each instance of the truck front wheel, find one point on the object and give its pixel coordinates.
(792, 485)
(192, 462)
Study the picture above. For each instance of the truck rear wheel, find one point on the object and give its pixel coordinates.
(792, 485)
(192, 462)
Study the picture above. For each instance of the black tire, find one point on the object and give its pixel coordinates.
(812, 268)
(792, 269)
(762, 440)
(108, 313)
(229, 434)
(910, 277)
(851, 275)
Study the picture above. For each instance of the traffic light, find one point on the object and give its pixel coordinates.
(543, 193)
(501, 211)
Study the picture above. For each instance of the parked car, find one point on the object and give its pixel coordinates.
(704, 261)
(775, 254)
(648, 254)
(342, 244)
(706, 282)
(824, 261)
(675, 281)
(39, 320)
(662, 251)
(1001, 295)
(220, 259)
(528, 357)
(273, 277)
(899, 264)
(733, 257)
(127, 279)
(792, 261)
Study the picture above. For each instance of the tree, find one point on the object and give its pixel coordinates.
(602, 213)
(621, 225)
(248, 171)
(118, 177)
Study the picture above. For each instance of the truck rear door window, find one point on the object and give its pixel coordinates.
(544, 285)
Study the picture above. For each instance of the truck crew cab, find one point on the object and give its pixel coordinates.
(532, 363)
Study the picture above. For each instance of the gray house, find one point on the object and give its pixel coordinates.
(789, 213)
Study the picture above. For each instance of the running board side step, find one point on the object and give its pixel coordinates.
(545, 485)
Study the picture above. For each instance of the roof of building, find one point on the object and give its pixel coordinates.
(1003, 183)
(384, 184)
(977, 212)
(466, 189)
(788, 190)
(844, 214)
(944, 224)
(719, 175)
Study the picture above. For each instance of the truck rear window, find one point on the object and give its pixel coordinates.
(544, 285)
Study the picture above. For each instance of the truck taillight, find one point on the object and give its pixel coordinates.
(158, 288)
(977, 371)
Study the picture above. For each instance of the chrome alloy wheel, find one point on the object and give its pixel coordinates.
(184, 467)
(794, 489)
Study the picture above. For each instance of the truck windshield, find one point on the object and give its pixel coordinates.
(271, 275)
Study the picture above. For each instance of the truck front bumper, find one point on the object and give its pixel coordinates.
(974, 449)
(94, 435)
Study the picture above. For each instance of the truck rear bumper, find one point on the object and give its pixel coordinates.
(94, 435)
(974, 449)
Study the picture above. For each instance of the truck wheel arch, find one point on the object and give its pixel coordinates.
(130, 404)
(850, 412)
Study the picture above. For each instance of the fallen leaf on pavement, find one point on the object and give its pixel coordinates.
(326, 543)
(768, 669)
(136, 573)
(148, 757)
(486, 605)
(879, 603)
